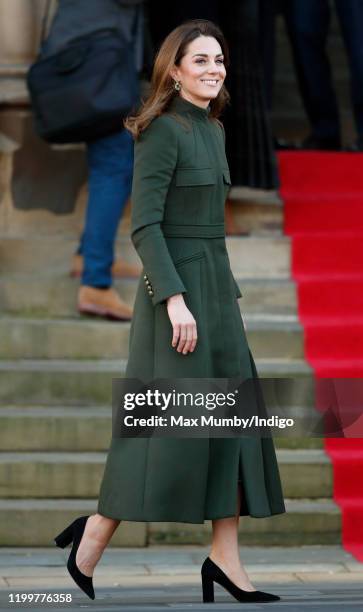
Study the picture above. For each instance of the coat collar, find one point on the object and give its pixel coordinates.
(181, 105)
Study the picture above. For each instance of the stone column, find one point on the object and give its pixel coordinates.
(20, 26)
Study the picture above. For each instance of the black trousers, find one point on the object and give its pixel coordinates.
(308, 26)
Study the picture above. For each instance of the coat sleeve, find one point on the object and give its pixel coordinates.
(155, 160)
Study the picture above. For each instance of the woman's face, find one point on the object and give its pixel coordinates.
(201, 72)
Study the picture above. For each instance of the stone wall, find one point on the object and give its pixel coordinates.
(20, 25)
(42, 188)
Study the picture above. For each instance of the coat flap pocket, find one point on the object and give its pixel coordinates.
(227, 176)
(186, 177)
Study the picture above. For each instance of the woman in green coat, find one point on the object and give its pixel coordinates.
(186, 324)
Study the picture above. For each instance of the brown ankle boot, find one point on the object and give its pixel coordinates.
(120, 268)
(104, 303)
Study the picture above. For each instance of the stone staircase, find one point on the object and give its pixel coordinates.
(55, 388)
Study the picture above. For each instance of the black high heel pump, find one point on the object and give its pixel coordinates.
(73, 533)
(212, 573)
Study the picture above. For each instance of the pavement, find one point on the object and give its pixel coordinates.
(168, 578)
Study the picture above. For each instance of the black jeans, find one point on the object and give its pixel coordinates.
(308, 26)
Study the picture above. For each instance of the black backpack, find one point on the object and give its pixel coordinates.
(84, 91)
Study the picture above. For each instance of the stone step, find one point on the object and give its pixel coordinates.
(35, 522)
(274, 336)
(53, 254)
(51, 296)
(63, 338)
(257, 211)
(13, 90)
(59, 428)
(251, 256)
(82, 338)
(84, 382)
(268, 295)
(304, 522)
(260, 257)
(304, 473)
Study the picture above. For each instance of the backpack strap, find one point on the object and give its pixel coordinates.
(45, 22)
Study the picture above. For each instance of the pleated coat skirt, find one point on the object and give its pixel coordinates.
(181, 178)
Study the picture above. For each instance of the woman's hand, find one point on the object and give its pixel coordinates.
(184, 325)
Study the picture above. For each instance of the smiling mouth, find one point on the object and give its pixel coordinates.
(212, 82)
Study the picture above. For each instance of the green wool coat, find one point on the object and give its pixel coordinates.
(181, 179)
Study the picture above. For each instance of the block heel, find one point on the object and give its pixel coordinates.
(63, 539)
(211, 573)
(208, 589)
(73, 533)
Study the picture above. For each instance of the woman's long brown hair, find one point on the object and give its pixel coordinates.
(162, 89)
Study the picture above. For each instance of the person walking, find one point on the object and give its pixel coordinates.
(249, 140)
(109, 160)
(308, 26)
(186, 324)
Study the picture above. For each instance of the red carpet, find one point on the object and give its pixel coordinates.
(323, 215)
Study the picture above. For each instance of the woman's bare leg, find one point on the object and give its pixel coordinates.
(225, 550)
(97, 534)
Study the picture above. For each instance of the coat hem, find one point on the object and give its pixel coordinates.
(126, 517)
